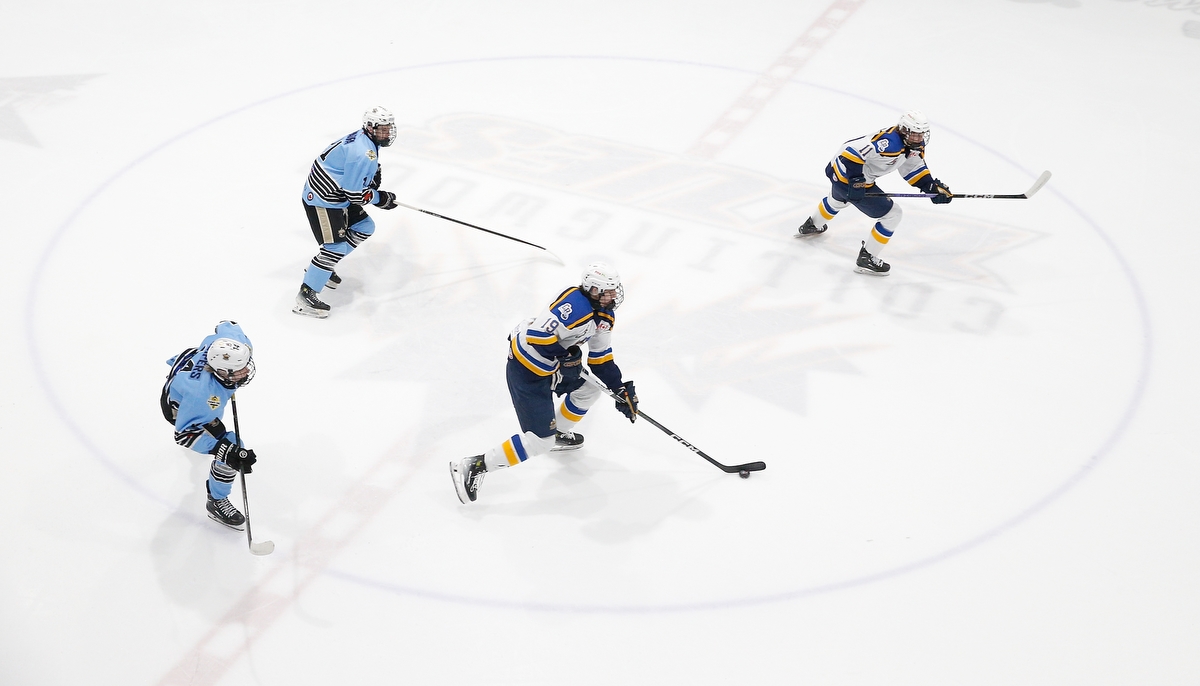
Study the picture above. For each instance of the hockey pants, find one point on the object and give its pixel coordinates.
(533, 400)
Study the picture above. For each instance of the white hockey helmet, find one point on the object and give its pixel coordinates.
(599, 278)
(232, 362)
(914, 129)
(377, 117)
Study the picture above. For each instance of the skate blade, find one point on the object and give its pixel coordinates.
(459, 487)
(565, 448)
(310, 312)
(237, 527)
(864, 270)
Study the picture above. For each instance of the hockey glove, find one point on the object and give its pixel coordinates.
(240, 459)
(570, 369)
(387, 201)
(858, 188)
(378, 180)
(943, 193)
(627, 401)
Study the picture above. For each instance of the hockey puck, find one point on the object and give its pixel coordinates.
(744, 474)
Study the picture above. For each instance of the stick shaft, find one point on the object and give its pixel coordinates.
(245, 497)
(478, 228)
(750, 467)
(1037, 185)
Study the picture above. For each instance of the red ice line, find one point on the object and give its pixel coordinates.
(768, 85)
(260, 606)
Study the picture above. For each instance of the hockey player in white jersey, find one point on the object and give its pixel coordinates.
(544, 360)
(200, 383)
(853, 172)
(344, 179)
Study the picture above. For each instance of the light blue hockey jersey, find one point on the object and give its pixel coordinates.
(342, 174)
(197, 397)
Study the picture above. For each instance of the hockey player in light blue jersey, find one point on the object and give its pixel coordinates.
(344, 179)
(201, 381)
(544, 360)
(853, 171)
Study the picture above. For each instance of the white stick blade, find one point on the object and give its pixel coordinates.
(263, 548)
(1037, 185)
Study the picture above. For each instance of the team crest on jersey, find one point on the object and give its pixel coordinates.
(565, 311)
(214, 402)
(371, 155)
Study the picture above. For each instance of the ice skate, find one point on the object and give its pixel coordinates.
(309, 305)
(809, 228)
(334, 281)
(224, 512)
(567, 440)
(467, 474)
(869, 264)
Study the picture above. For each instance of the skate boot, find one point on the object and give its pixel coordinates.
(309, 305)
(809, 228)
(467, 474)
(567, 440)
(224, 512)
(868, 264)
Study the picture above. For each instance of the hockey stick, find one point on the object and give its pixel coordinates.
(1037, 185)
(265, 547)
(741, 469)
(494, 233)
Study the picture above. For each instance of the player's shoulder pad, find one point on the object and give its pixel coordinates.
(572, 308)
(605, 317)
(359, 145)
(228, 329)
(888, 143)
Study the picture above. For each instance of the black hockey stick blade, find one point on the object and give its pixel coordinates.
(1037, 186)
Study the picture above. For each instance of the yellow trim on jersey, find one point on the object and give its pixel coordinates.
(853, 157)
(913, 181)
(520, 356)
(838, 173)
(600, 360)
(541, 337)
(582, 320)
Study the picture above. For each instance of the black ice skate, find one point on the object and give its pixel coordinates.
(868, 264)
(309, 305)
(334, 281)
(467, 474)
(809, 228)
(224, 512)
(567, 440)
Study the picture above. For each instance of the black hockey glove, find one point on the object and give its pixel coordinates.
(858, 188)
(627, 401)
(378, 180)
(943, 193)
(240, 459)
(570, 369)
(387, 201)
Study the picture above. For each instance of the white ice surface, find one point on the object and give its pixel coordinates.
(980, 469)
